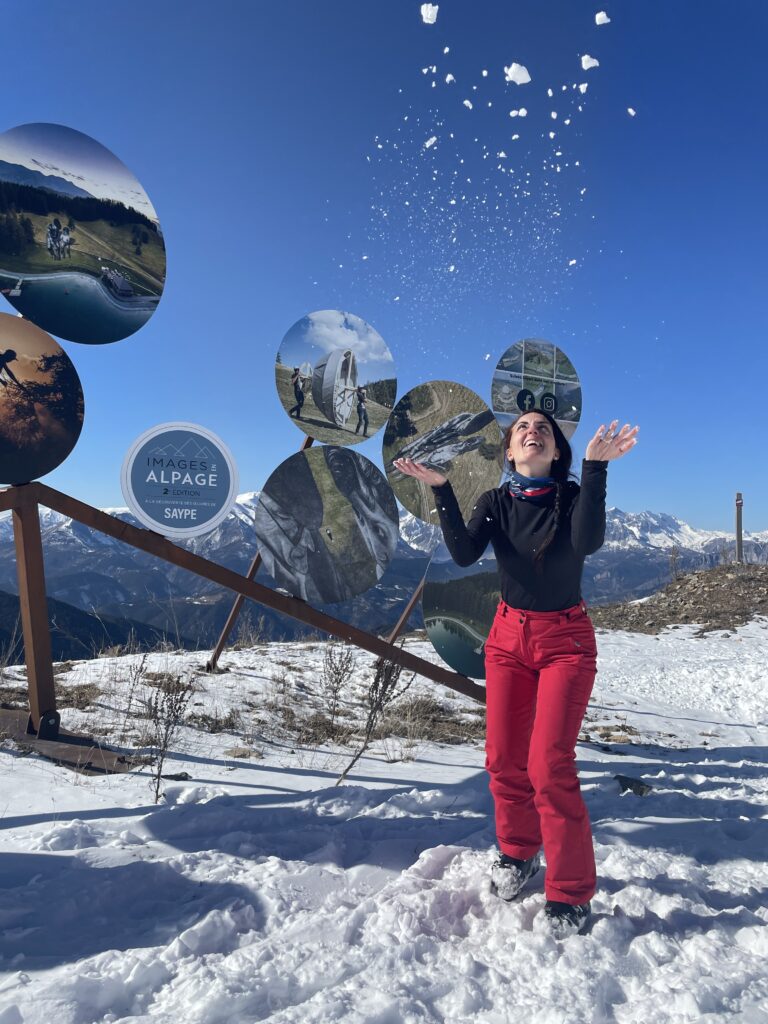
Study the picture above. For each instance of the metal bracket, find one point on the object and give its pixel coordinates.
(49, 726)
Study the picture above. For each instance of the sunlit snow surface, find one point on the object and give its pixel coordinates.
(258, 891)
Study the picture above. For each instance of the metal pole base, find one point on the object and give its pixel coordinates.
(49, 726)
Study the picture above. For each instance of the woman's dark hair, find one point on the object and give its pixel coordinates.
(560, 471)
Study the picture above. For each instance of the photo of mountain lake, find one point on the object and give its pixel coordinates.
(81, 250)
(458, 605)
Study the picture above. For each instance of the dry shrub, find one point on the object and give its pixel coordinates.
(79, 697)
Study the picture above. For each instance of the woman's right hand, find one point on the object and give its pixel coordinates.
(421, 472)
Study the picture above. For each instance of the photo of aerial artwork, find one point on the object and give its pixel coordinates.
(450, 429)
(326, 524)
(458, 605)
(81, 250)
(336, 377)
(41, 402)
(534, 374)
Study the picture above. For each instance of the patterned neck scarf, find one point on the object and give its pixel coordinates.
(535, 489)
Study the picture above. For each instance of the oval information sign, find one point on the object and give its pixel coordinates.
(179, 480)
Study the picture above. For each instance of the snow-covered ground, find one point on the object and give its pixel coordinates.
(257, 890)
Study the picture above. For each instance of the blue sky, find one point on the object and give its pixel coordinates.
(254, 128)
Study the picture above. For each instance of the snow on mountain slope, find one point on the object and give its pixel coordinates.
(259, 891)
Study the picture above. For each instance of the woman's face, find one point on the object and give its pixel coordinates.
(532, 445)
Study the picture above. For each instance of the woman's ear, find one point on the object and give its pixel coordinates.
(556, 456)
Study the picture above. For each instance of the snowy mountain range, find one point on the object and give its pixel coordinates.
(97, 574)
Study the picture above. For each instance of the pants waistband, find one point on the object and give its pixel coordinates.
(576, 611)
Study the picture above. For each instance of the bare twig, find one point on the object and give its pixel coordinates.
(382, 691)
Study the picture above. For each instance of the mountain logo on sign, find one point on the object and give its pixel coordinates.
(191, 449)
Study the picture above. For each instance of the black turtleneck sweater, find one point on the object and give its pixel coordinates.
(516, 528)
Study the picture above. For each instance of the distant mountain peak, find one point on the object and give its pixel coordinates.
(17, 174)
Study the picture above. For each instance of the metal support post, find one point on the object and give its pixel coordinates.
(43, 716)
(234, 613)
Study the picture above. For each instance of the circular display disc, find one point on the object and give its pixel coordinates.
(326, 524)
(179, 480)
(458, 605)
(81, 251)
(335, 377)
(41, 402)
(536, 375)
(450, 429)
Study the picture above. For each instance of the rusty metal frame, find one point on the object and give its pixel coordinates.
(24, 499)
(234, 613)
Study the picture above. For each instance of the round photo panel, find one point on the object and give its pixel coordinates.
(335, 377)
(41, 402)
(458, 605)
(535, 374)
(81, 251)
(450, 429)
(179, 480)
(326, 524)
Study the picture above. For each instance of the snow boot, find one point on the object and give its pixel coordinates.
(509, 875)
(564, 919)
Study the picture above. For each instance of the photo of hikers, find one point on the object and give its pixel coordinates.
(81, 250)
(458, 605)
(335, 377)
(450, 429)
(326, 524)
(535, 374)
(41, 402)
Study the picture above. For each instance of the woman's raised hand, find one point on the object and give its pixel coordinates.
(611, 444)
(417, 469)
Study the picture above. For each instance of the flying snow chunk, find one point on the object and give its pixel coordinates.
(553, 114)
(501, 155)
(517, 73)
(429, 13)
(449, 79)
(588, 62)
(430, 142)
(583, 88)
(447, 49)
(571, 263)
(485, 73)
(550, 93)
(631, 112)
(601, 18)
(487, 356)
(468, 104)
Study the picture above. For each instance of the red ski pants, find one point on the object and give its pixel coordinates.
(540, 667)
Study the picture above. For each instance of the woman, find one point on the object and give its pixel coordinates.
(540, 656)
(362, 411)
(298, 393)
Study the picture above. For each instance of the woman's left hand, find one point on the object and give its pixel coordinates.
(611, 444)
